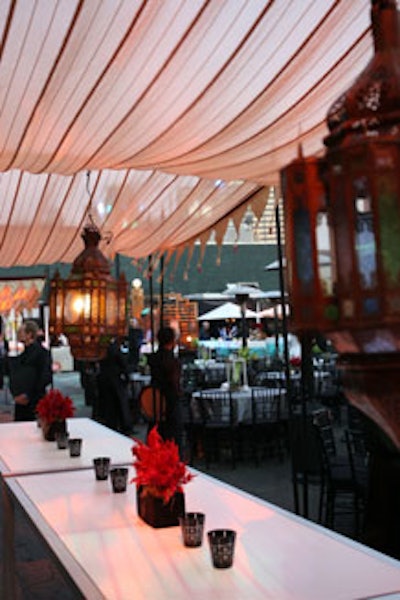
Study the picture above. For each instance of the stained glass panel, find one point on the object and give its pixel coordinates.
(365, 243)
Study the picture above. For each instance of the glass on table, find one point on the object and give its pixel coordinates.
(62, 439)
(101, 467)
(119, 479)
(192, 527)
(222, 547)
(75, 446)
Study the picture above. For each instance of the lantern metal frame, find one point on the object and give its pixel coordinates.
(90, 307)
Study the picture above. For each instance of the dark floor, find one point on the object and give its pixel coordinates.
(38, 575)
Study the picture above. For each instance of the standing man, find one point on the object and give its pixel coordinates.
(30, 373)
(113, 389)
(166, 375)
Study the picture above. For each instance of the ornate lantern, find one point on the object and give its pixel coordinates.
(360, 309)
(90, 306)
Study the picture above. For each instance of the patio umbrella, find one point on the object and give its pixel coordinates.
(206, 296)
(229, 310)
(236, 289)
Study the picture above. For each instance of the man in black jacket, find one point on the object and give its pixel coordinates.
(113, 389)
(166, 375)
(30, 373)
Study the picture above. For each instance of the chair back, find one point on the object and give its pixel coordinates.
(322, 420)
(357, 451)
(265, 405)
(270, 379)
(152, 403)
(214, 376)
(192, 379)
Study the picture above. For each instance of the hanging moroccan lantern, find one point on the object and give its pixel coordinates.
(90, 306)
(359, 310)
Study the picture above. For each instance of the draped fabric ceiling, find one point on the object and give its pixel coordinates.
(182, 111)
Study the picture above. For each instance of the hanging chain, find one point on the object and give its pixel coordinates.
(107, 235)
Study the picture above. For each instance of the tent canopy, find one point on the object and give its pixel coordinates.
(226, 311)
(183, 111)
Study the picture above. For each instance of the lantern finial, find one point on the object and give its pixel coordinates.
(300, 154)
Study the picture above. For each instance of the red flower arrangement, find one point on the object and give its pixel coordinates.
(54, 406)
(158, 467)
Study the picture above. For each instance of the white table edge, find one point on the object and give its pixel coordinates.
(305, 522)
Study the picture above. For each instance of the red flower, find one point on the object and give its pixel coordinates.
(55, 407)
(158, 466)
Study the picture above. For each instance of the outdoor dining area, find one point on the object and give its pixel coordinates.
(247, 424)
(250, 401)
(150, 151)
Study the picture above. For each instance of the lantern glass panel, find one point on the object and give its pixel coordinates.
(389, 221)
(59, 311)
(112, 307)
(77, 306)
(95, 305)
(371, 306)
(365, 242)
(57, 304)
(303, 245)
(102, 304)
(342, 221)
(324, 254)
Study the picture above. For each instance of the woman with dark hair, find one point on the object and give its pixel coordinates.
(166, 376)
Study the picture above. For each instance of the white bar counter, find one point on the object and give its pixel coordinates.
(23, 449)
(112, 554)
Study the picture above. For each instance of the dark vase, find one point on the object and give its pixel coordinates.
(155, 512)
(50, 430)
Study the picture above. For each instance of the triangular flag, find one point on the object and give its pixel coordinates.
(259, 202)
